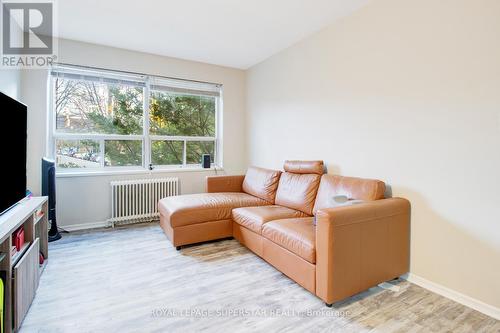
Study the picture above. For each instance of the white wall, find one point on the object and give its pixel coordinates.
(86, 200)
(10, 82)
(407, 91)
(10, 79)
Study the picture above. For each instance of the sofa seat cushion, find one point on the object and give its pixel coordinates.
(297, 235)
(203, 207)
(254, 218)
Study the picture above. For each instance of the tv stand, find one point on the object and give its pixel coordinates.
(21, 271)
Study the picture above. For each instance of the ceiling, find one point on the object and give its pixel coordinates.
(233, 33)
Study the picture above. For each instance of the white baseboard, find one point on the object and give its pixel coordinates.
(473, 303)
(84, 226)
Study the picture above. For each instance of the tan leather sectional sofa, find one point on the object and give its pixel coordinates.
(350, 249)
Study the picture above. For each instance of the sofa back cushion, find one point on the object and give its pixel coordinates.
(304, 167)
(261, 183)
(297, 191)
(351, 187)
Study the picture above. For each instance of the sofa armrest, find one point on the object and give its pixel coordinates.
(360, 246)
(224, 183)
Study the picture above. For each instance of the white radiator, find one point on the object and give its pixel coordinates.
(137, 200)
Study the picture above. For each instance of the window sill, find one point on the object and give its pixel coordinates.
(70, 174)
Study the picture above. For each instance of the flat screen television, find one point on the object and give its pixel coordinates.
(13, 152)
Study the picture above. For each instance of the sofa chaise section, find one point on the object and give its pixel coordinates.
(194, 218)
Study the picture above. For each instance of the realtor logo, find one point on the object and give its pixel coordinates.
(27, 34)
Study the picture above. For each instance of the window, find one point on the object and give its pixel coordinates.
(106, 120)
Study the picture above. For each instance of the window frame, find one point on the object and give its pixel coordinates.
(146, 138)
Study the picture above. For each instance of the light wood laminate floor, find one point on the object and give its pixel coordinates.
(131, 279)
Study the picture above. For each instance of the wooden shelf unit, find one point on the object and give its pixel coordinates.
(22, 270)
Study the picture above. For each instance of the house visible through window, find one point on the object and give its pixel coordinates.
(113, 120)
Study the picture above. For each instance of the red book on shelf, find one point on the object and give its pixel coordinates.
(18, 238)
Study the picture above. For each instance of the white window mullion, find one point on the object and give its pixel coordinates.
(101, 152)
(181, 138)
(79, 136)
(184, 155)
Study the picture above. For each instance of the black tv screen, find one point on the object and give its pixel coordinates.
(13, 151)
